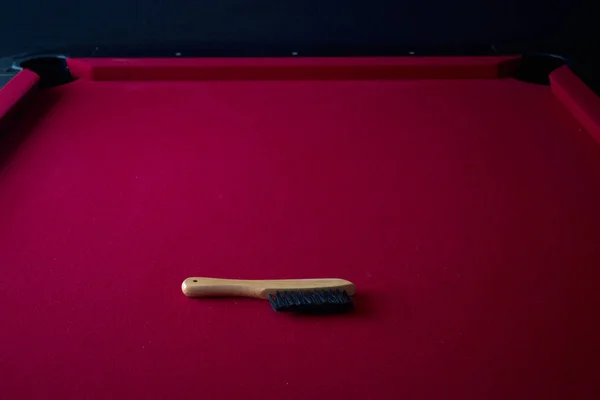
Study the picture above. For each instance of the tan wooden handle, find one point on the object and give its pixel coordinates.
(213, 287)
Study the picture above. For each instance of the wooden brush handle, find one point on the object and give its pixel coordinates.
(213, 287)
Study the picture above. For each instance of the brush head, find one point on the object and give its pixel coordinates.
(311, 301)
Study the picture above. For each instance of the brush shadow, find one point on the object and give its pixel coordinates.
(364, 307)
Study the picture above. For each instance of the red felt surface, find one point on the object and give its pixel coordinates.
(465, 211)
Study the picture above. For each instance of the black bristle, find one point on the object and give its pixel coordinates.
(311, 301)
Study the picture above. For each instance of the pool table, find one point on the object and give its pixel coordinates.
(461, 200)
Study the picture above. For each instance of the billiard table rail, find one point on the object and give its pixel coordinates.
(544, 69)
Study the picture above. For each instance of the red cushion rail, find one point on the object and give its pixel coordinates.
(15, 92)
(343, 68)
(578, 99)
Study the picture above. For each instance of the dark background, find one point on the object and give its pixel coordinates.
(259, 26)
